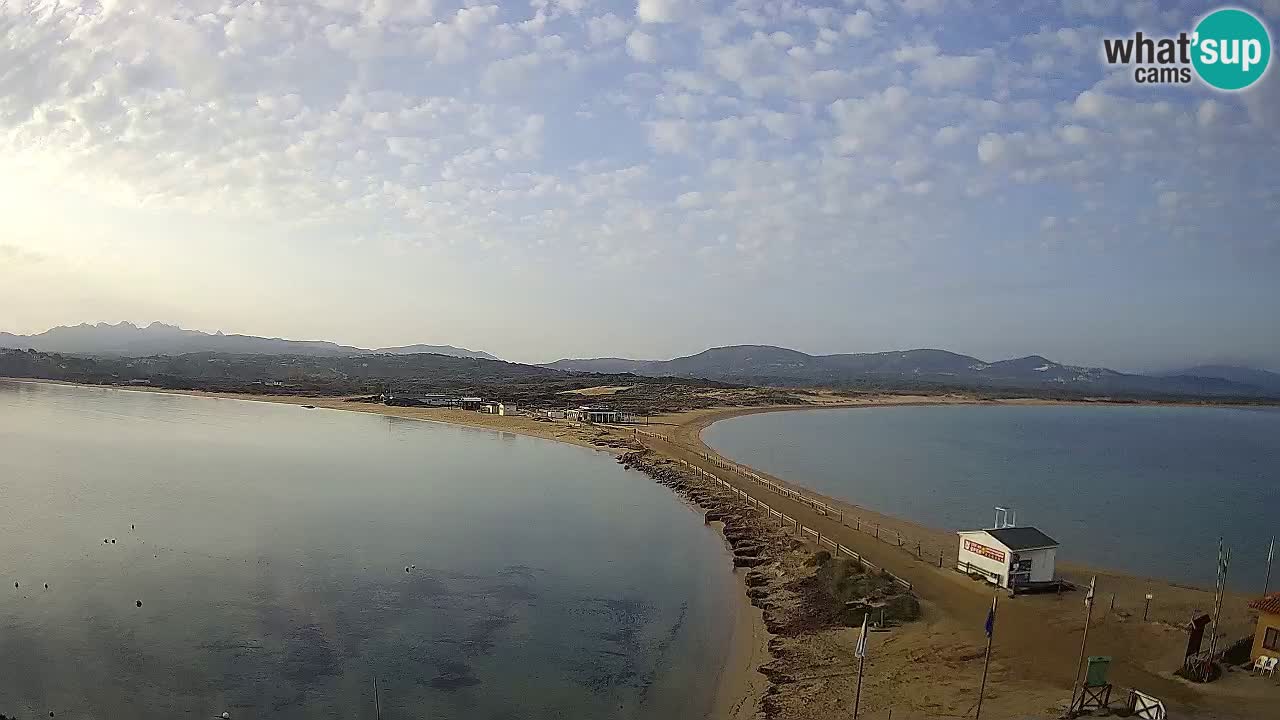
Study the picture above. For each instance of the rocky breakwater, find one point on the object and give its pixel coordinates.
(811, 602)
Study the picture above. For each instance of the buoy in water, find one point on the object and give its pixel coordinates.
(406, 569)
(225, 715)
(139, 603)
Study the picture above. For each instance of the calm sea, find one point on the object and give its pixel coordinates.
(1147, 490)
(268, 546)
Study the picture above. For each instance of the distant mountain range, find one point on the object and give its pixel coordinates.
(775, 366)
(128, 340)
(758, 365)
(1234, 373)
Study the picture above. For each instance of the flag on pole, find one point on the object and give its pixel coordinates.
(991, 618)
(1093, 585)
(861, 650)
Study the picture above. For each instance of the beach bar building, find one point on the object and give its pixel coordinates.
(598, 414)
(1010, 557)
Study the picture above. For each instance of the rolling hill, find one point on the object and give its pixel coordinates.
(775, 366)
(128, 340)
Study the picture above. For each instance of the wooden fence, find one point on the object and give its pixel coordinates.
(806, 533)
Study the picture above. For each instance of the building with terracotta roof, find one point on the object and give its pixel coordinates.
(1266, 638)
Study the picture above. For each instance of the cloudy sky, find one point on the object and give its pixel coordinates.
(587, 177)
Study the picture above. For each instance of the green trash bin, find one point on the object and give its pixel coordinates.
(1096, 674)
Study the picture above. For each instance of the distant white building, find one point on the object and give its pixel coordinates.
(598, 414)
(1010, 557)
(497, 408)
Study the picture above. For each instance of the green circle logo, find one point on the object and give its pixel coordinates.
(1232, 49)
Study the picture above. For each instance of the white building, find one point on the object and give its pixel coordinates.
(598, 414)
(1010, 557)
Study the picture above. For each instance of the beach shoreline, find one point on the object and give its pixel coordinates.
(949, 597)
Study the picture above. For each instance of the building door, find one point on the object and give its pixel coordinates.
(1019, 571)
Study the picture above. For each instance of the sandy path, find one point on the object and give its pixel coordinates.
(1039, 636)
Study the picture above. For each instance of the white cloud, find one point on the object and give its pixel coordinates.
(690, 200)
(670, 136)
(860, 24)
(867, 122)
(992, 148)
(1092, 104)
(915, 53)
(1075, 134)
(923, 7)
(947, 135)
(663, 11)
(642, 46)
(1208, 112)
(785, 125)
(1092, 8)
(606, 28)
(942, 71)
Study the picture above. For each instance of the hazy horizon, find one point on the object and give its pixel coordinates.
(143, 325)
(642, 179)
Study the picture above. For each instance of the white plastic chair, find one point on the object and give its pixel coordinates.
(1270, 669)
(1260, 665)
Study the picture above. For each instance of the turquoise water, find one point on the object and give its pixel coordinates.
(1146, 490)
(268, 546)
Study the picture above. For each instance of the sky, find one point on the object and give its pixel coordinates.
(583, 178)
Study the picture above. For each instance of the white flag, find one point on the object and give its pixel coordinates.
(861, 650)
(1093, 585)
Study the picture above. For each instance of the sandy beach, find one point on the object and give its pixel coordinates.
(928, 668)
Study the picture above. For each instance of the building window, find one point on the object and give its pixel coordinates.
(1271, 639)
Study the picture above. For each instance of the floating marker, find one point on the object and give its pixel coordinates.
(139, 603)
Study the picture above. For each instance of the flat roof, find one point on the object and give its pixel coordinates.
(1019, 538)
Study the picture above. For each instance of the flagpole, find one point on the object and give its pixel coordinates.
(1084, 641)
(1271, 549)
(991, 634)
(857, 696)
(861, 651)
